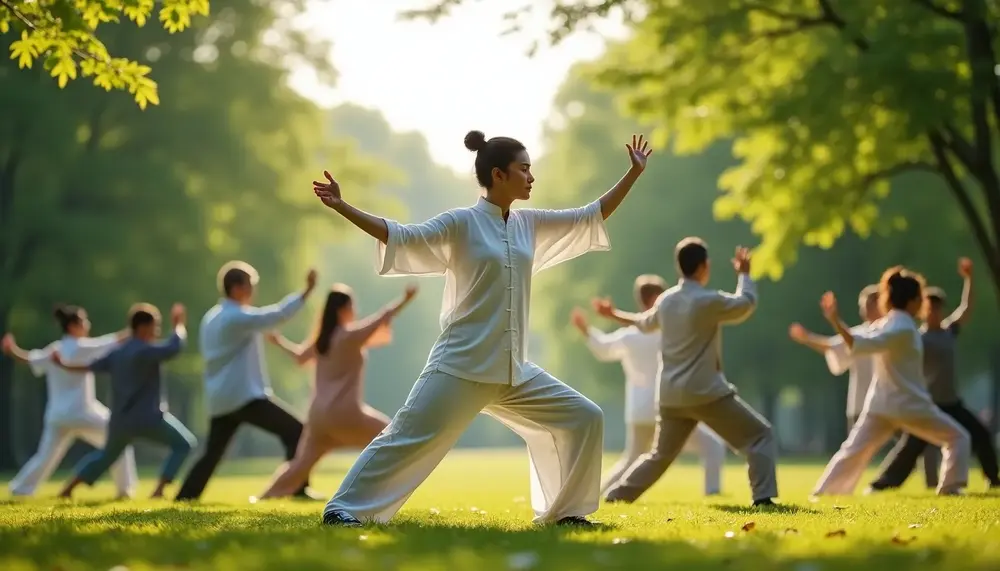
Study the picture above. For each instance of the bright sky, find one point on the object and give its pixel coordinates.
(445, 79)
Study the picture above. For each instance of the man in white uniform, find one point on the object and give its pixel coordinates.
(639, 354)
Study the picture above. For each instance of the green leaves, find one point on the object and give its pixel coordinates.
(65, 33)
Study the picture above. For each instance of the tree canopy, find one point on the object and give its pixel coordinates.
(64, 35)
(824, 102)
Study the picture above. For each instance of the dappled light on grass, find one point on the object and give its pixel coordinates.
(460, 520)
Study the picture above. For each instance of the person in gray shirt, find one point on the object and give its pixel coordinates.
(940, 335)
(692, 385)
(137, 407)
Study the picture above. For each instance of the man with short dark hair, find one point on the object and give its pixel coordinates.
(237, 386)
(939, 335)
(692, 386)
(638, 353)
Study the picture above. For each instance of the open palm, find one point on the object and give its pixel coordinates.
(638, 152)
(328, 192)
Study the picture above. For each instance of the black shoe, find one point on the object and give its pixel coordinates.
(341, 518)
(577, 521)
(308, 494)
(766, 502)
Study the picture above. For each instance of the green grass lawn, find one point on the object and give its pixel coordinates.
(473, 514)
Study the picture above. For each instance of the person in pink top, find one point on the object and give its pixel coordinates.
(338, 416)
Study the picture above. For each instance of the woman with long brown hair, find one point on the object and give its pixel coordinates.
(338, 416)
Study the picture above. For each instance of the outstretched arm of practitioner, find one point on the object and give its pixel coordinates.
(814, 341)
(646, 321)
(422, 249)
(605, 347)
(171, 346)
(961, 313)
(885, 338)
(374, 330)
(249, 320)
(301, 353)
(732, 308)
(11, 349)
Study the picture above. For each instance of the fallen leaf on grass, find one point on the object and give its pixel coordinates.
(748, 526)
(901, 541)
(620, 540)
(836, 533)
(791, 531)
(840, 507)
(914, 526)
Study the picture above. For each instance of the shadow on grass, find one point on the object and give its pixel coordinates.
(195, 539)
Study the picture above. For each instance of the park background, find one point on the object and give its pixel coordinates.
(103, 204)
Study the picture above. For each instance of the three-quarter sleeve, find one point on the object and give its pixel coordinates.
(732, 308)
(561, 235)
(422, 249)
(838, 356)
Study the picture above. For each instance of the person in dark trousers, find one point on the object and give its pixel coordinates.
(237, 387)
(940, 335)
(137, 407)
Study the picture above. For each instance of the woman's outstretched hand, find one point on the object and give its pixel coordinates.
(328, 192)
(638, 152)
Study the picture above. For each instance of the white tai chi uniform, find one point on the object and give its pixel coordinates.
(898, 400)
(639, 354)
(861, 370)
(479, 361)
(72, 412)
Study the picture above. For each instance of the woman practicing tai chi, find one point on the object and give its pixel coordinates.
(488, 253)
(898, 399)
(72, 411)
(338, 416)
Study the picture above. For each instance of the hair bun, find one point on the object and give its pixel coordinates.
(475, 141)
(60, 311)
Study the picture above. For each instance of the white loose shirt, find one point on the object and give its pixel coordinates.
(899, 388)
(639, 354)
(488, 264)
(861, 367)
(71, 399)
(232, 346)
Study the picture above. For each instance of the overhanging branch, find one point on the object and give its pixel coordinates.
(907, 166)
(940, 10)
(939, 147)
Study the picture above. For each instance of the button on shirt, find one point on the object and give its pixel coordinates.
(899, 388)
(488, 264)
(861, 367)
(71, 397)
(639, 354)
(232, 345)
(690, 316)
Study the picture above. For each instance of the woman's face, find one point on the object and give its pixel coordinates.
(346, 313)
(515, 184)
(82, 327)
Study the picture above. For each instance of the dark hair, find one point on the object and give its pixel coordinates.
(496, 153)
(142, 314)
(898, 287)
(339, 296)
(690, 254)
(647, 288)
(235, 273)
(67, 315)
(935, 296)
